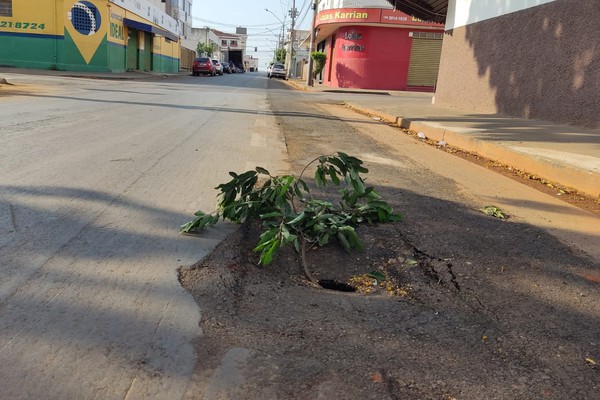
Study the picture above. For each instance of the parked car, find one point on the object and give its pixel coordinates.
(203, 65)
(218, 67)
(226, 67)
(278, 71)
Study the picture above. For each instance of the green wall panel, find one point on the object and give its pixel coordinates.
(70, 59)
(28, 51)
(132, 49)
(116, 58)
(164, 64)
(146, 54)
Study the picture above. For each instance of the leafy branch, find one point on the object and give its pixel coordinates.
(206, 48)
(290, 215)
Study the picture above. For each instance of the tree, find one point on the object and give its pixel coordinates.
(290, 215)
(206, 48)
(319, 57)
(280, 55)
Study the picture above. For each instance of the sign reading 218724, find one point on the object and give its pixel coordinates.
(22, 25)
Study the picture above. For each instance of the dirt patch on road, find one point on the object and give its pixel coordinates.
(470, 307)
(8, 89)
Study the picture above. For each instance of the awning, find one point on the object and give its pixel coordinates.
(427, 10)
(149, 28)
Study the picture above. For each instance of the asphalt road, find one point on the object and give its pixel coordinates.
(95, 178)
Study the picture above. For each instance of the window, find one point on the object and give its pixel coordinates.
(233, 43)
(5, 8)
(426, 35)
(223, 42)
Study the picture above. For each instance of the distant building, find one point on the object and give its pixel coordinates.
(250, 63)
(228, 46)
(300, 54)
(90, 35)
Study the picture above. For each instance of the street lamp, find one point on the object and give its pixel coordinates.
(278, 43)
(281, 38)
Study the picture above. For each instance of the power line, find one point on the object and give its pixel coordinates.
(304, 11)
(232, 25)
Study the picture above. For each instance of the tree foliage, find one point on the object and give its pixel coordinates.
(290, 215)
(280, 55)
(206, 48)
(319, 58)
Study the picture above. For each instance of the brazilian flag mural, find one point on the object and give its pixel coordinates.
(90, 35)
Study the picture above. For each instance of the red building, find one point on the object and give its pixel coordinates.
(378, 48)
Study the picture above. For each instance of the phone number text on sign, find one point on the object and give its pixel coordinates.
(22, 25)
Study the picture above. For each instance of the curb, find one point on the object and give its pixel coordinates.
(584, 181)
(120, 76)
(295, 85)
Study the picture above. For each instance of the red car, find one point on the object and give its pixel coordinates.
(203, 65)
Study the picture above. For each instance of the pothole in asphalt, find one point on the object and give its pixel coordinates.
(331, 284)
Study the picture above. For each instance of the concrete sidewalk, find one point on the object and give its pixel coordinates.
(559, 153)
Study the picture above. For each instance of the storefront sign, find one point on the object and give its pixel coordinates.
(370, 15)
(395, 17)
(352, 47)
(349, 15)
(354, 37)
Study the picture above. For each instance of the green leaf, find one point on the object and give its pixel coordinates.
(343, 241)
(263, 171)
(274, 214)
(351, 236)
(493, 211)
(304, 185)
(266, 257)
(319, 180)
(323, 240)
(297, 219)
(334, 176)
(376, 275)
(297, 244)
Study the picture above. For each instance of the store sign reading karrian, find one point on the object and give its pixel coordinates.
(353, 47)
(345, 15)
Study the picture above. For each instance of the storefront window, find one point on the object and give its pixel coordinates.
(5, 8)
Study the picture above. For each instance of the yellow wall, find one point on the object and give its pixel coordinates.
(87, 43)
(34, 17)
(117, 32)
(165, 47)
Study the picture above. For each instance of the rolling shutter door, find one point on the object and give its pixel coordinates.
(424, 61)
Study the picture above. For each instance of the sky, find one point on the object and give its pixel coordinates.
(263, 27)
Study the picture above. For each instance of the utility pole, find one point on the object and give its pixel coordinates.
(313, 34)
(293, 13)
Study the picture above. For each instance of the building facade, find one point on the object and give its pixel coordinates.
(91, 35)
(536, 59)
(369, 45)
(531, 59)
(298, 58)
(228, 47)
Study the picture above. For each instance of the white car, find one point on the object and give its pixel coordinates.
(218, 67)
(277, 71)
